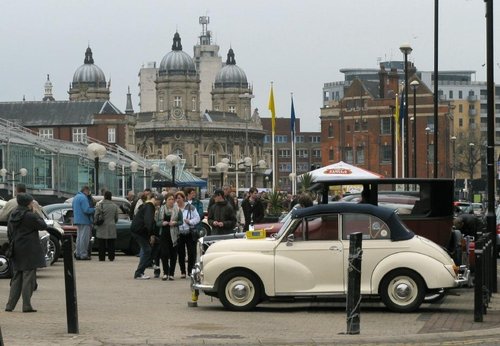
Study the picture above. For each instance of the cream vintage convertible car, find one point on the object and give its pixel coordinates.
(308, 257)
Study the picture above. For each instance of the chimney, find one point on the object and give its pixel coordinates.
(382, 77)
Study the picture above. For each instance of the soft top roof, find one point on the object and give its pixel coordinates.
(389, 216)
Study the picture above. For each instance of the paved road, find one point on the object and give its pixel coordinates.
(115, 309)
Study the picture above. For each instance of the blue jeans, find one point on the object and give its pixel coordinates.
(144, 255)
(82, 240)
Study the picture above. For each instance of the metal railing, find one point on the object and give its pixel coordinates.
(483, 280)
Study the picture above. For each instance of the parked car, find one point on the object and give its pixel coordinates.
(54, 229)
(5, 264)
(122, 203)
(308, 257)
(63, 214)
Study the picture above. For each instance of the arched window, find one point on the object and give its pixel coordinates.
(330, 130)
(212, 157)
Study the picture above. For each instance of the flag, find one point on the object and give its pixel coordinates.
(396, 119)
(292, 119)
(272, 109)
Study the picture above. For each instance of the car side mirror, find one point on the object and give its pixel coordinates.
(290, 239)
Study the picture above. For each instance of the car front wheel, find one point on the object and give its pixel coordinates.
(5, 267)
(239, 291)
(54, 248)
(402, 290)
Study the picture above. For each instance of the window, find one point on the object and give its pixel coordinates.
(360, 155)
(303, 167)
(111, 134)
(46, 133)
(193, 104)
(460, 96)
(79, 135)
(285, 167)
(281, 139)
(348, 155)
(267, 139)
(460, 108)
(385, 153)
(316, 153)
(460, 122)
(330, 154)
(212, 157)
(357, 126)
(299, 139)
(284, 153)
(330, 130)
(371, 227)
(385, 126)
(364, 125)
(430, 124)
(302, 153)
(232, 109)
(195, 159)
(315, 139)
(451, 94)
(177, 101)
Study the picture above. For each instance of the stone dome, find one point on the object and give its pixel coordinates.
(177, 62)
(89, 73)
(231, 75)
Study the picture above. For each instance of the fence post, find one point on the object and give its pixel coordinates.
(70, 285)
(354, 283)
(478, 281)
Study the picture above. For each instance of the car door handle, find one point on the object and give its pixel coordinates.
(335, 248)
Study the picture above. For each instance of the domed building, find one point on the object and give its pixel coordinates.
(89, 82)
(201, 138)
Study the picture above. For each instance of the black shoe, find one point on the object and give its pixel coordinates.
(29, 310)
(8, 310)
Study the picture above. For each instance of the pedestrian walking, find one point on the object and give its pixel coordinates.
(27, 255)
(83, 213)
(253, 208)
(142, 230)
(106, 232)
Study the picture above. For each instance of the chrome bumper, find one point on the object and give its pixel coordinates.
(464, 278)
(196, 277)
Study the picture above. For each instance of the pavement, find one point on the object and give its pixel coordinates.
(115, 309)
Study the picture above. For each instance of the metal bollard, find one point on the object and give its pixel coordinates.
(354, 283)
(70, 285)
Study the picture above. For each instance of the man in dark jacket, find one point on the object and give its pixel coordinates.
(253, 209)
(143, 231)
(28, 255)
(221, 215)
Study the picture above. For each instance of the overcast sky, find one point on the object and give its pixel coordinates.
(299, 45)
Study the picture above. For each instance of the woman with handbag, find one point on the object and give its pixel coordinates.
(190, 218)
(27, 256)
(168, 219)
(105, 219)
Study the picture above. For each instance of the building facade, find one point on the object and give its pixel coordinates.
(202, 137)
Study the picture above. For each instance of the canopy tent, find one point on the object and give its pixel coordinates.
(341, 171)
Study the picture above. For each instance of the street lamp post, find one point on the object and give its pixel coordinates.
(427, 130)
(471, 169)
(22, 172)
(133, 168)
(414, 85)
(453, 143)
(96, 151)
(172, 161)
(293, 177)
(406, 50)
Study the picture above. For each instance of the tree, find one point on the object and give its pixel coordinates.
(469, 153)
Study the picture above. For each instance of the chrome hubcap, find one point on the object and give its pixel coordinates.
(403, 291)
(239, 291)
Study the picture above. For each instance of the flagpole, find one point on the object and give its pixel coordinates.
(403, 158)
(294, 153)
(273, 125)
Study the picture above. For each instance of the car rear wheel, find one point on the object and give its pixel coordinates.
(402, 290)
(239, 291)
(5, 267)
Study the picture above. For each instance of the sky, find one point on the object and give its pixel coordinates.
(296, 45)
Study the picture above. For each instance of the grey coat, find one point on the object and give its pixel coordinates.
(23, 229)
(108, 229)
